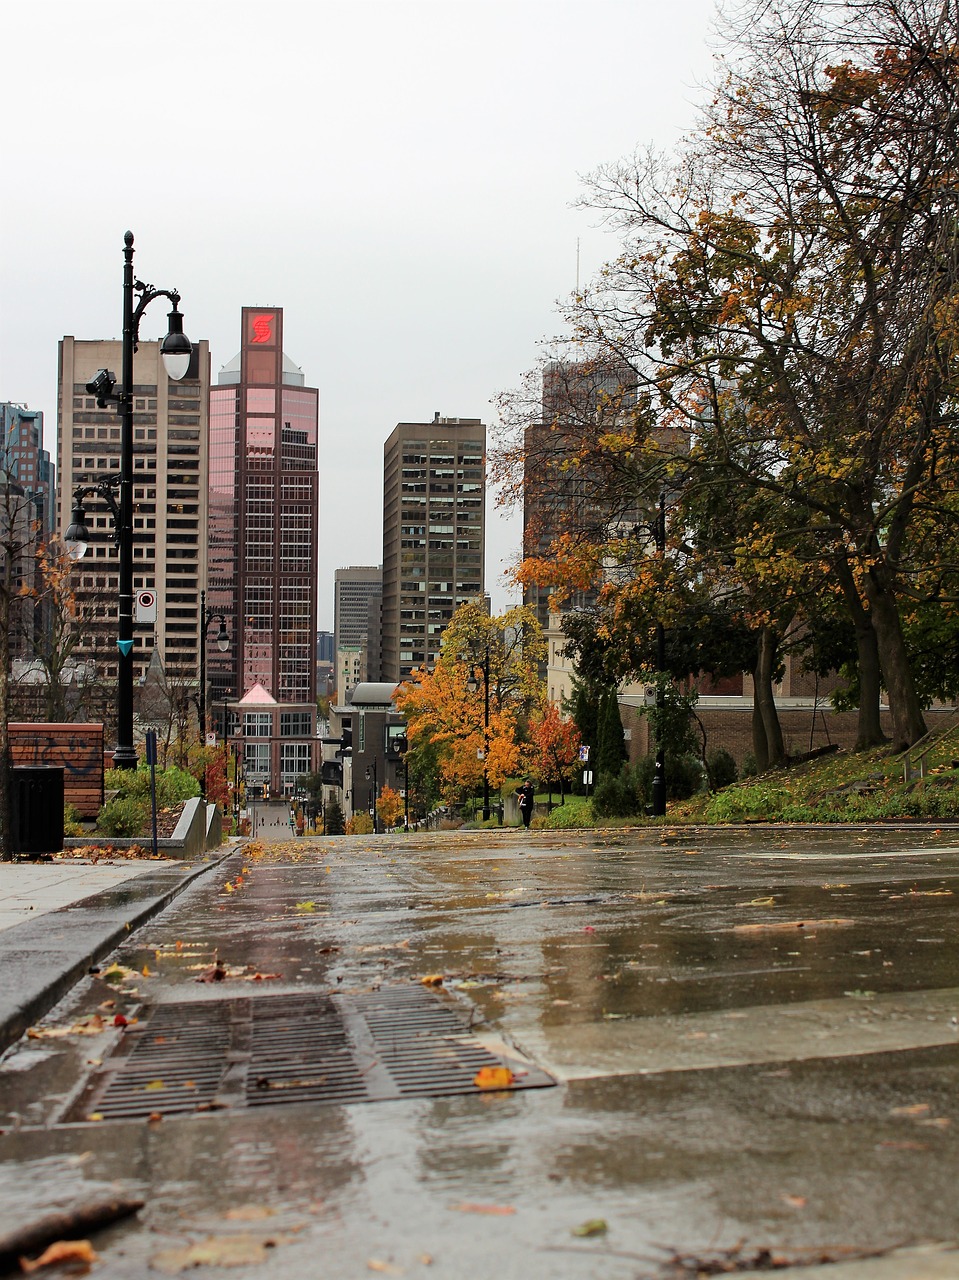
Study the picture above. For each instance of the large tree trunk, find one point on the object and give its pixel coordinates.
(760, 745)
(904, 706)
(763, 700)
(869, 731)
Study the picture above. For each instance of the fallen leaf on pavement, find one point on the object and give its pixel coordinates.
(215, 1251)
(914, 1109)
(384, 1268)
(73, 1251)
(119, 973)
(306, 906)
(493, 1078)
(432, 980)
(795, 1202)
(594, 1227)
(758, 902)
(501, 1210)
(91, 1026)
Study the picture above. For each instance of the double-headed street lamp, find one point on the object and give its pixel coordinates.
(223, 644)
(176, 350)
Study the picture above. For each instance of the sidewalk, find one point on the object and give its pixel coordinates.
(58, 918)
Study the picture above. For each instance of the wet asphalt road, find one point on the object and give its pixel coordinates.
(753, 1037)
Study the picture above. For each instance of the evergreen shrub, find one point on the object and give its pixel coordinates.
(123, 816)
(722, 768)
(616, 797)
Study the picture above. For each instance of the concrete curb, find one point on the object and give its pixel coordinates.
(42, 959)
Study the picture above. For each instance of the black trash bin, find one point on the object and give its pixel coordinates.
(37, 809)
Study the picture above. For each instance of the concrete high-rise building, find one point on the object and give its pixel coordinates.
(353, 589)
(170, 429)
(357, 593)
(263, 540)
(580, 399)
(434, 535)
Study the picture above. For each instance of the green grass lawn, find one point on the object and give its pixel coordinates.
(843, 786)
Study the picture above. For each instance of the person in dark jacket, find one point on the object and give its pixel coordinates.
(526, 795)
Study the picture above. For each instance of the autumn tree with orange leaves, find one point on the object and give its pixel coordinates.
(389, 806)
(473, 707)
(556, 745)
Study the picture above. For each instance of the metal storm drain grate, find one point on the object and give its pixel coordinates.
(398, 1042)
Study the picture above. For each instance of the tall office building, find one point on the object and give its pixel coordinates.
(434, 535)
(353, 590)
(26, 516)
(24, 458)
(170, 426)
(264, 519)
(579, 399)
(357, 593)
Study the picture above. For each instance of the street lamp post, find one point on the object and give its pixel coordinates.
(400, 746)
(176, 350)
(371, 773)
(222, 643)
(659, 771)
(473, 684)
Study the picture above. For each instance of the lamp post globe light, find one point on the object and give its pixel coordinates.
(176, 350)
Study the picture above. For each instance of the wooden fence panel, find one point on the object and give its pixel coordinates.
(77, 747)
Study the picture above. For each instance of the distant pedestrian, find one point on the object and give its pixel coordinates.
(526, 796)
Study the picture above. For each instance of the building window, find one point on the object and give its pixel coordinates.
(296, 724)
(257, 724)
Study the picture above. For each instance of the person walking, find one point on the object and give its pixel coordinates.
(526, 796)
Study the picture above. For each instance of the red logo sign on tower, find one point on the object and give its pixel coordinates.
(262, 329)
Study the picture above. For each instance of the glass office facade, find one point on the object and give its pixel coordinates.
(264, 510)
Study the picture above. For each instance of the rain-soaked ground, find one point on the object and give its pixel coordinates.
(753, 1039)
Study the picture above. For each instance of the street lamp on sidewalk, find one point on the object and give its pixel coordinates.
(371, 774)
(176, 350)
(400, 746)
(223, 644)
(472, 684)
(659, 771)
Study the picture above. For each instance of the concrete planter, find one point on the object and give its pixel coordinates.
(199, 830)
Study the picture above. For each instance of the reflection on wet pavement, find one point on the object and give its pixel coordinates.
(757, 1033)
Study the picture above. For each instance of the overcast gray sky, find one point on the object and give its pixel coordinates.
(398, 175)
